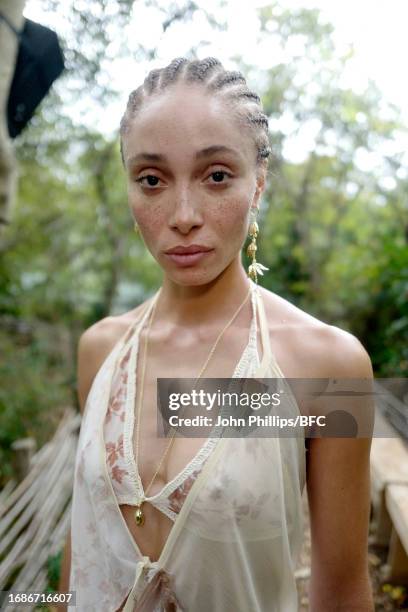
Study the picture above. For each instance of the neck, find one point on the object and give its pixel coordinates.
(192, 305)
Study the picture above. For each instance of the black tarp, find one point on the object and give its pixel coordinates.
(39, 63)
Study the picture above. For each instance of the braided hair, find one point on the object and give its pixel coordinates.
(229, 86)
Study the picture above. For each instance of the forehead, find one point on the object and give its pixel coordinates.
(183, 120)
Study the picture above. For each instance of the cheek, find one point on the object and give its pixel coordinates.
(228, 217)
(151, 219)
(232, 218)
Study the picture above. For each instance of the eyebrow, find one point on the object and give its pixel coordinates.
(207, 152)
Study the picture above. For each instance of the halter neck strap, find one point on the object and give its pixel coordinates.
(266, 343)
(133, 327)
(255, 299)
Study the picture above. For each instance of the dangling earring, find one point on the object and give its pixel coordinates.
(255, 268)
(136, 228)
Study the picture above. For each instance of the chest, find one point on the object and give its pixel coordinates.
(177, 360)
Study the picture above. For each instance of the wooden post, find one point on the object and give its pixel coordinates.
(397, 560)
(23, 451)
(396, 498)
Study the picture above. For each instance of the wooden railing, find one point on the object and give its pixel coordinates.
(35, 513)
(389, 484)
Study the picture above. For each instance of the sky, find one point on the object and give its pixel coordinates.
(379, 35)
(376, 29)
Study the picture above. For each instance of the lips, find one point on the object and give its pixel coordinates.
(185, 257)
(189, 250)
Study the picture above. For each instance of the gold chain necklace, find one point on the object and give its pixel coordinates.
(139, 514)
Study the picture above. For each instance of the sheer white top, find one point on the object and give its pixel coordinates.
(236, 536)
(120, 423)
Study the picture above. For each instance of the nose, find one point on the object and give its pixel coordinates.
(186, 213)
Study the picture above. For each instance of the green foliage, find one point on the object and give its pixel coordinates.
(335, 239)
(333, 233)
(36, 391)
(70, 255)
(54, 570)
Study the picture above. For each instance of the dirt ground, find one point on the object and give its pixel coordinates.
(387, 597)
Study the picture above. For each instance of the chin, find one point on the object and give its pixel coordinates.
(187, 280)
(190, 277)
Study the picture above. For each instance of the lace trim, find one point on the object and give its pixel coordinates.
(250, 359)
(209, 444)
(162, 505)
(129, 410)
(253, 332)
(247, 357)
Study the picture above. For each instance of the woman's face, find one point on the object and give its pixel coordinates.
(184, 186)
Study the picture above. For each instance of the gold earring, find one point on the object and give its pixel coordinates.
(255, 268)
(136, 228)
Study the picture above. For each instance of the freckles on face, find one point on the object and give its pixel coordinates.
(184, 203)
(223, 224)
(231, 219)
(152, 218)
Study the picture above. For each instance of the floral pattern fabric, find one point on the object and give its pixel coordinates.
(113, 436)
(238, 527)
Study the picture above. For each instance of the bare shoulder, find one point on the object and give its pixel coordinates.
(104, 334)
(310, 347)
(95, 344)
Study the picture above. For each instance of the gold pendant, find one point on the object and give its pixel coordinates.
(139, 515)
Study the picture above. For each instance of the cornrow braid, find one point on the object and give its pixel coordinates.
(226, 78)
(172, 71)
(259, 118)
(247, 94)
(151, 81)
(199, 70)
(229, 86)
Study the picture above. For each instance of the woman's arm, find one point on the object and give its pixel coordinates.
(338, 488)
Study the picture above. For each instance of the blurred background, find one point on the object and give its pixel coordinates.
(334, 218)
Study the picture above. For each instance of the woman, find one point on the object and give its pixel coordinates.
(208, 523)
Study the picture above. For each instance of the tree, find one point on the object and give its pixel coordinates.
(12, 11)
(334, 227)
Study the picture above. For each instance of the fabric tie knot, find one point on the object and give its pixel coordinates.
(157, 595)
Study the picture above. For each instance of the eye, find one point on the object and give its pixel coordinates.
(148, 176)
(218, 174)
